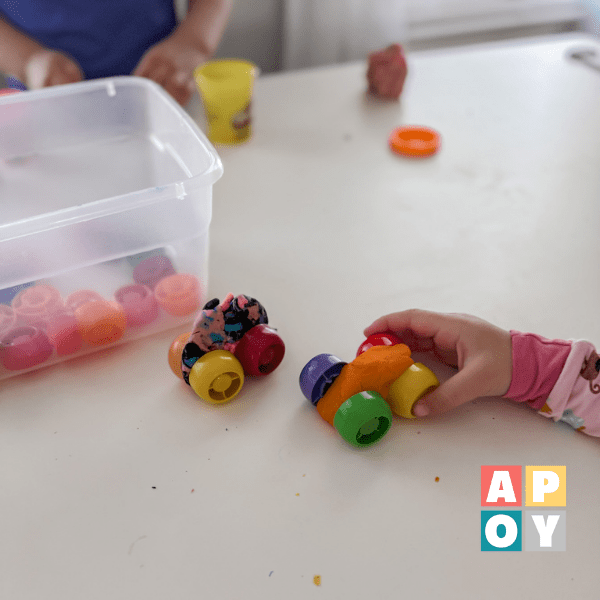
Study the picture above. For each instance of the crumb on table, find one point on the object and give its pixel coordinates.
(437, 478)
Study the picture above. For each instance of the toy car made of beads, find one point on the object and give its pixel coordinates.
(359, 398)
(230, 339)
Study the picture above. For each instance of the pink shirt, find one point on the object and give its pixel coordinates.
(558, 378)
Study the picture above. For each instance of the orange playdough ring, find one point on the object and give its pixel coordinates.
(414, 141)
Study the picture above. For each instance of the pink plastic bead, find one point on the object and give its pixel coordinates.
(139, 304)
(63, 333)
(151, 270)
(35, 304)
(24, 347)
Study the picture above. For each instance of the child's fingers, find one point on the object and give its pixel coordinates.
(421, 322)
(72, 72)
(66, 73)
(424, 329)
(155, 67)
(161, 73)
(49, 68)
(463, 387)
(144, 66)
(180, 85)
(180, 95)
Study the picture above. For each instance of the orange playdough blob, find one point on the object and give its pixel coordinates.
(374, 370)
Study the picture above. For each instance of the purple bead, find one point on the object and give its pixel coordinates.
(318, 374)
(139, 304)
(151, 270)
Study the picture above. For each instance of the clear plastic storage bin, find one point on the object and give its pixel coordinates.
(105, 206)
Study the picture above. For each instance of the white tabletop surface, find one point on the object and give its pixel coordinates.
(117, 482)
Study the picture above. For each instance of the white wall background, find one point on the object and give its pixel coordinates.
(298, 33)
(255, 32)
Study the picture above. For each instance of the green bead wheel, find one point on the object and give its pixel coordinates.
(363, 419)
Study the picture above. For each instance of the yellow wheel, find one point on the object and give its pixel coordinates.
(409, 388)
(217, 377)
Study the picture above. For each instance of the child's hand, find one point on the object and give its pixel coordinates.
(171, 63)
(49, 67)
(481, 351)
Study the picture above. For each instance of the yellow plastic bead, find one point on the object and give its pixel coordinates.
(409, 388)
(217, 377)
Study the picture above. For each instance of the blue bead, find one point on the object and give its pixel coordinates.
(318, 374)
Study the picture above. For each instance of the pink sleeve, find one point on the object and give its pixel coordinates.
(558, 378)
(537, 364)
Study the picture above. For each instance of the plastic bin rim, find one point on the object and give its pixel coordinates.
(123, 202)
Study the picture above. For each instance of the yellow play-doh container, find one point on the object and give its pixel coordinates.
(226, 90)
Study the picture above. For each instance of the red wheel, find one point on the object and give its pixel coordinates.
(378, 339)
(260, 351)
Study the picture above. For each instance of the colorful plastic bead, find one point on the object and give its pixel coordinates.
(318, 374)
(7, 294)
(363, 419)
(101, 322)
(179, 295)
(63, 332)
(414, 141)
(152, 269)
(409, 388)
(260, 350)
(139, 304)
(24, 347)
(176, 352)
(217, 377)
(378, 339)
(34, 305)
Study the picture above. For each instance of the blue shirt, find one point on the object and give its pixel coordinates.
(106, 37)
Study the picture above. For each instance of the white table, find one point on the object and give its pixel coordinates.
(117, 482)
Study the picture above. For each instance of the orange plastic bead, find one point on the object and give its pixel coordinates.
(101, 322)
(175, 352)
(178, 295)
(415, 141)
